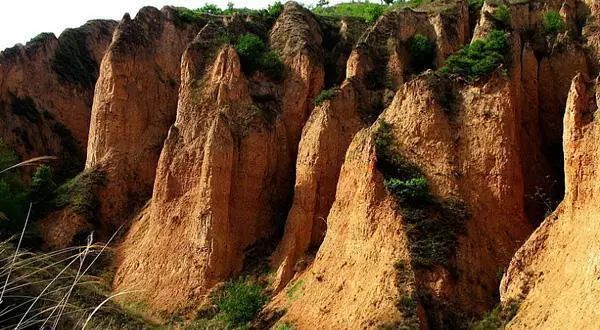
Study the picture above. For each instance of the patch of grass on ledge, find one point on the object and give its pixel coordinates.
(479, 58)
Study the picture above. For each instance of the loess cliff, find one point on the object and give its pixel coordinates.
(411, 171)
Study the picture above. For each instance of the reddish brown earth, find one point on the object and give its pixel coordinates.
(128, 123)
(207, 163)
(45, 109)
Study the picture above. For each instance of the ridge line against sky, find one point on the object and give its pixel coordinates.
(21, 20)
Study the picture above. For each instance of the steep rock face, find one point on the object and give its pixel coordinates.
(468, 151)
(296, 36)
(324, 142)
(546, 64)
(202, 187)
(554, 276)
(46, 90)
(590, 14)
(384, 48)
(134, 105)
(359, 99)
(351, 283)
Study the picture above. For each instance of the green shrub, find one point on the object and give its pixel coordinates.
(211, 9)
(13, 194)
(407, 305)
(433, 230)
(185, 15)
(553, 22)
(250, 46)
(274, 10)
(73, 61)
(432, 226)
(422, 52)
(475, 5)
(369, 12)
(502, 15)
(255, 57)
(284, 326)
(497, 318)
(79, 193)
(240, 302)
(294, 291)
(479, 58)
(42, 187)
(326, 94)
(415, 190)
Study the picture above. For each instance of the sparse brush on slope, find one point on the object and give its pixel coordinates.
(54, 290)
(433, 225)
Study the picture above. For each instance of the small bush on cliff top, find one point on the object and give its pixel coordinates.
(479, 58)
(254, 56)
(553, 22)
(240, 302)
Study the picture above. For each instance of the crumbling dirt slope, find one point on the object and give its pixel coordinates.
(554, 276)
(134, 105)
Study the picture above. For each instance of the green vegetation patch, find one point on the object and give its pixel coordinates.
(480, 58)
(186, 15)
(25, 107)
(294, 291)
(475, 5)
(79, 193)
(13, 194)
(326, 94)
(433, 226)
(502, 16)
(369, 12)
(553, 23)
(255, 56)
(73, 61)
(422, 52)
(284, 326)
(240, 302)
(498, 318)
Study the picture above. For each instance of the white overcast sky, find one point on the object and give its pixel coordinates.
(21, 20)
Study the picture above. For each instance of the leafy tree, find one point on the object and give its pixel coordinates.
(212, 9)
(274, 10)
